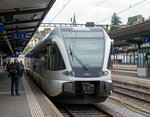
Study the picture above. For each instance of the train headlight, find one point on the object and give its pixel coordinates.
(102, 73)
(106, 73)
(71, 73)
(68, 73)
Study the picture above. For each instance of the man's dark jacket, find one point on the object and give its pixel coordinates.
(18, 70)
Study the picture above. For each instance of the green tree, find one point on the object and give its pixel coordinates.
(135, 20)
(115, 20)
(45, 31)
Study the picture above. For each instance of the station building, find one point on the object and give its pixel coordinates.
(137, 34)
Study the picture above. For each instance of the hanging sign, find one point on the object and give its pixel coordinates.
(19, 35)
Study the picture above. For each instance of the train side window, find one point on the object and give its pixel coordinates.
(36, 62)
(55, 60)
(44, 61)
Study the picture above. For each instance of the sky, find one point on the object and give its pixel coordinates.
(96, 10)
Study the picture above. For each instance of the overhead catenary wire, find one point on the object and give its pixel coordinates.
(91, 8)
(123, 10)
(60, 11)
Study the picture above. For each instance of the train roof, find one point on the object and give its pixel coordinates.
(81, 28)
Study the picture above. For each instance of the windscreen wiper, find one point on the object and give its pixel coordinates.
(79, 61)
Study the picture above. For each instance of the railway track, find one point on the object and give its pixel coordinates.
(132, 95)
(78, 110)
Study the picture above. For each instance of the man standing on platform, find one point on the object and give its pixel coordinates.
(15, 73)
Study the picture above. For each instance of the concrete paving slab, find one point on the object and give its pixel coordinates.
(5, 83)
(117, 109)
(18, 106)
(12, 106)
(128, 74)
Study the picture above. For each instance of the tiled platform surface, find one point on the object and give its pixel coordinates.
(31, 103)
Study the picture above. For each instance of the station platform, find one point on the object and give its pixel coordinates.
(125, 67)
(130, 77)
(32, 102)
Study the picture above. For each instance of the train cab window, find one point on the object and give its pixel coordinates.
(55, 60)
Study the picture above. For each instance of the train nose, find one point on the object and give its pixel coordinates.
(109, 86)
(69, 88)
(98, 88)
(87, 88)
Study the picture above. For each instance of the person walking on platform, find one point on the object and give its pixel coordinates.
(21, 67)
(8, 66)
(15, 73)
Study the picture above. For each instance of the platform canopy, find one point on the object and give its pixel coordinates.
(131, 35)
(19, 20)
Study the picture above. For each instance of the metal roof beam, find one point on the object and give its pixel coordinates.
(22, 28)
(22, 12)
(23, 21)
(134, 35)
(7, 34)
(20, 39)
(134, 41)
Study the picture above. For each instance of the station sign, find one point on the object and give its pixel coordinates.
(19, 48)
(14, 56)
(2, 28)
(146, 39)
(19, 35)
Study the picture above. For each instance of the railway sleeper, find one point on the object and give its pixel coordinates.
(140, 96)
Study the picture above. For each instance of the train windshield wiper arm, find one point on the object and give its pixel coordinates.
(79, 61)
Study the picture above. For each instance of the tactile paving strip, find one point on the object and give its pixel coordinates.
(35, 108)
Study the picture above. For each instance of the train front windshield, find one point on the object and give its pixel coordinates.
(85, 48)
